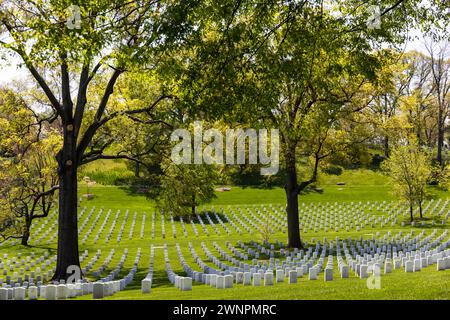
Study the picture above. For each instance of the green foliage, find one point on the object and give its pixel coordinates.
(184, 187)
(28, 169)
(410, 168)
(333, 169)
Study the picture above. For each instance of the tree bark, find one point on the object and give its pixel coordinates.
(440, 142)
(137, 169)
(420, 209)
(411, 212)
(291, 186)
(193, 205)
(25, 237)
(386, 147)
(68, 254)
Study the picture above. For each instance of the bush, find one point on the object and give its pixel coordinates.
(333, 169)
(376, 161)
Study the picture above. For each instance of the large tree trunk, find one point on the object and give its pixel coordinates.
(67, 219)
(26, 233)
(411, 212)
(25, 237)
(292, 200)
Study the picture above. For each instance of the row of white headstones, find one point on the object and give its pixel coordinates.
(315, 217)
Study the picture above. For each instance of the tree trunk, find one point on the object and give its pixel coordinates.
(440, 142)
(292, 200)
(386, 147)
(193, 205)
(137, 170)
(411, 212)
(25, 237)
(67, 219)
(420, 209)
(26, 233)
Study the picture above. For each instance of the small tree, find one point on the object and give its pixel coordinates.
(184, 187)
(28, 176)
(409, 167)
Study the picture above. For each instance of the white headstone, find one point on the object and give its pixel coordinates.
(98, 290)
(363, 271)
(19, 293)
(409, 266)
(32, 293)
(292, 276)
(220, 282)
(328, 274)
(247, 278)
(186, 284)
(268, 279)
(146, 285)
(256, 279)
(50, 292)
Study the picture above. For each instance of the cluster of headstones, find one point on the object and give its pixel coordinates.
(196, 276)
(113, 226)
(102, 227)
(105, 263)
(86, 220)
(240, 254)
(273, 220)
(174, 231)
(260, 223)
(194, 228)
(249, 221)
(202, 224)
(108, 286)
(48, 225)
(411, 254)
(141, 234)
(33, 287)
(55, 291)
(91, 263)
(183, 227)
(243, 273)
(228, 231)
(133, 224)
(92, 227)
(20, 270)
(238, 230)
(146, 283)
(206, 269)
(339, 216)
(115, 272)
(163, 228)
(211, 223)
(153, 225)
(122, 227)
(182, 283)
(210, 276)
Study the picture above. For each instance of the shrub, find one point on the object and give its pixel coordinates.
(333, 169)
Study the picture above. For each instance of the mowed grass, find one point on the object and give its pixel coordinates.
(426, 284)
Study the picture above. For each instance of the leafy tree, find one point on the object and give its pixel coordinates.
(409, 167)
(440, 74)
(186, 186)
(87, 57)
(28, 177)
(279, 64)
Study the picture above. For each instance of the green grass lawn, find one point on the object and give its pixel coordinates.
(426, 284)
